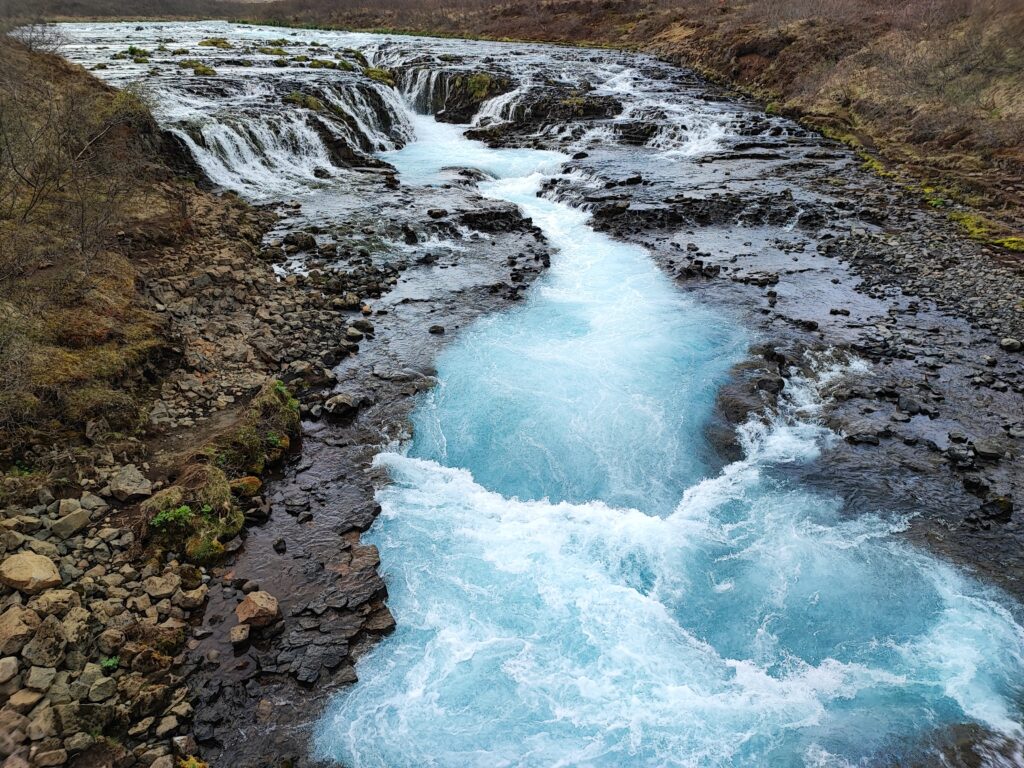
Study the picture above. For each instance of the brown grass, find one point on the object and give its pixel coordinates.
(74, 335)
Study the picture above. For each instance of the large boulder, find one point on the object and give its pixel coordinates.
(29, 573)
(258, 609)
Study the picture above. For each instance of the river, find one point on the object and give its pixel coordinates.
(579, 577)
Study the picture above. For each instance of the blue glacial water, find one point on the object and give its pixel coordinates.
(577, 582)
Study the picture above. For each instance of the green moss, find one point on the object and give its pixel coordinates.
(979, 228)
(300, 99)
(203, 70)
(280, 62)
(179, 52)
(216, 42)
(323, 64)
(358, 56)
(380, 75)
(479, 85)
(272, 51)
(1015, 244)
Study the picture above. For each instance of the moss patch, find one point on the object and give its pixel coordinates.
(380, 75)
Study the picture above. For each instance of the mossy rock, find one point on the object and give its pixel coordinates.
(216, 42)
(380, 75)
(246, 487)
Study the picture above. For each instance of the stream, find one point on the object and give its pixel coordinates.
(578, 575)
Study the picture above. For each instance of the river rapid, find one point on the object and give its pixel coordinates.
(579, 576)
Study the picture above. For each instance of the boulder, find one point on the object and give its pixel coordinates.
(129, 483)
(159, 587)
(341, 406)
(17, 625)
(258, 609)
(46, 648)
(71, 523)
(29, 573)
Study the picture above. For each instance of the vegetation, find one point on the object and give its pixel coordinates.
(72, 331)
(380, 75)
(304, 100)
(110, 663)
(201, 509)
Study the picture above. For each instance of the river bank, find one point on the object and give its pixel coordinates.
(370, 276)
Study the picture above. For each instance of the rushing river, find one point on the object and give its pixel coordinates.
(577, 578)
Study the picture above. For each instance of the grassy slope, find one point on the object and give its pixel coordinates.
(88, 187)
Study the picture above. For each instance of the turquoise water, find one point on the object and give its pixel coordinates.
(576, 581)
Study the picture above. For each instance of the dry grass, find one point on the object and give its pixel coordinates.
(74, 336)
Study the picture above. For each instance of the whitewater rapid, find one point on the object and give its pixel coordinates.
(576, 582)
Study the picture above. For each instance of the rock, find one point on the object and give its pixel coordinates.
(437, 330)
(129, 483)
(40, 678)
(863, 438)
(159, 587)
(8, 668)
(23, 700)
(109, 641)
(246, 487)
(55, 601)
(46, 648)
(1010, 344)
(29, 573)
(17, 626)
(258, 609)
(71, 524)
(52, 757)
(987, 450)
(239, 634)
(191, 598)
(102, 689)
(341, 406)
(280, 546)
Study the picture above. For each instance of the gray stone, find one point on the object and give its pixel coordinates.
(159, 587)
(46, 648)
(40, 678)
(129, 483)
(8, 668)
(71, 524)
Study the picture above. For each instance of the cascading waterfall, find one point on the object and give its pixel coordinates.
(576, 584)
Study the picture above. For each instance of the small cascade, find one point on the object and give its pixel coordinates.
(259, 155)
(425, 88)
(500, 108)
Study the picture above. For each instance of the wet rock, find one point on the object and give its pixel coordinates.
(436, 330)
(341, 406)
(258, 609)
(129, 483)
(239, 634)
(1010, 344)
(29, 573)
